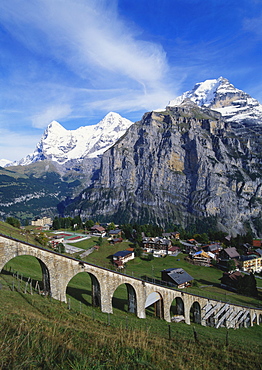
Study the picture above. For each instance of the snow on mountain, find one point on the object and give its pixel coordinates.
(219, 94)
(4, 162)
(61, 145)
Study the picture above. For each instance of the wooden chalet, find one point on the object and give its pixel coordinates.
(201, 258)
(98, 230)
(156, 245)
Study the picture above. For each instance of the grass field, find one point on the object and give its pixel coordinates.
(41, 333)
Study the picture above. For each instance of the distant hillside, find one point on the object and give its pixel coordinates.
(35, 190)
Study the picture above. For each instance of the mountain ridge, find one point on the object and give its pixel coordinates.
(61, 145)
(183, 164)
(198, 159)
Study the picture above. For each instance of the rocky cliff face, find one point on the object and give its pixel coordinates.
(176, 166)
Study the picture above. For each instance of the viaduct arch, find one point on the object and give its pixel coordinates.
(58, 270)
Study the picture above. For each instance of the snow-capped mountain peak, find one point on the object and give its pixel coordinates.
(203, 93)
(61, 145)
(55, 126)
(4, 162)
(219, 94)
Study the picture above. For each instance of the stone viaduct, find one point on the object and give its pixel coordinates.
(58, 270)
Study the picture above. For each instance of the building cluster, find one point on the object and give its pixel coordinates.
(205, 255)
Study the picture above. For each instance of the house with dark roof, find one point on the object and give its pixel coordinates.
(122, 257)
(158, 246)
(213, 248)
(189, 247)
(117, 233)
(229, 253)
(177, 276)
(115, 240)
(172, 235)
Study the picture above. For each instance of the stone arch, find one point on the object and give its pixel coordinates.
(92, 283)
(177, 307)
(45, 282)
(260, 319)
(119, 301)
(195, 313)
(155, 300)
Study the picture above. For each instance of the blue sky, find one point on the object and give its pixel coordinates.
(76, 60)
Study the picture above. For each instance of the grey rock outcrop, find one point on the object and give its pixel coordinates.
(174, 167)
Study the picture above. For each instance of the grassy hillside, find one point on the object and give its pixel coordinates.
(20, 234)
(42, 333)
(39, 333)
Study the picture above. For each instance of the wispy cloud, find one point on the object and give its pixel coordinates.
(16, 145)
(54, 112)
(253, 25)
(91, 39)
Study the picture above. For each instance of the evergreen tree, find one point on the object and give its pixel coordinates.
(13, 221)
(248, 286)
(89, 224)
(56, 225)
(100, 241)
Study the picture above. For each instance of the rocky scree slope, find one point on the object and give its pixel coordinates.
(174, 167)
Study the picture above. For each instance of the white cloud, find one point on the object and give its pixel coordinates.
(254, 25)
(16, 145)
(88, 36)
(81, 59)
(55, 112)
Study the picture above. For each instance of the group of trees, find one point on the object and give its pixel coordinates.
(68, 223)
(75, 223)
(243, 284)
(13, 221)
(247, 285)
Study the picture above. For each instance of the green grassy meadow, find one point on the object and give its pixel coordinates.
(42, 333)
